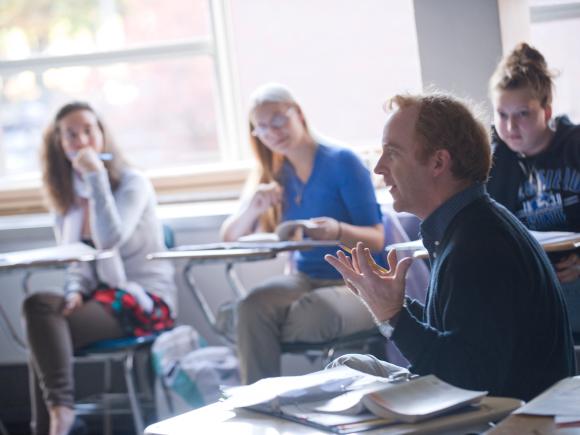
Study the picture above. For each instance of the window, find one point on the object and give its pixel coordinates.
(149, 67)
(172, 79)
(554, 31)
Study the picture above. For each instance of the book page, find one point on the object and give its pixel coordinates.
(259, 237)
(561, 399)
(419, 398)
(553, 241)
(351, 403)
(286, 230)
(287, 389)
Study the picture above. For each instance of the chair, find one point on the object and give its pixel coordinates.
(223, 323)
(108, 403)
(140, 398)
(369, 341)
(576, 339)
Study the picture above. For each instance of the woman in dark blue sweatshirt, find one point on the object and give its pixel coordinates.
(536, 170)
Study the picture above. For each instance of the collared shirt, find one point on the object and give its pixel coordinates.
(433, 228)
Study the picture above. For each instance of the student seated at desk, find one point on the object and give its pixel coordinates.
(536, 171)
(494, 318)
(300, 177)
(98, 199)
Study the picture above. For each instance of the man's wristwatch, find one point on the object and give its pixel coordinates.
(386, 329)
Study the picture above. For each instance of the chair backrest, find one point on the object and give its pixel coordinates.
(168, 236)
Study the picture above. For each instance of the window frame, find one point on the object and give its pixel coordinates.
(221, 180)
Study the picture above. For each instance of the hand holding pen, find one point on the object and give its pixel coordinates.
(372, 262)
(87, 160)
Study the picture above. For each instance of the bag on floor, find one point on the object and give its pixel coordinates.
(191, 371)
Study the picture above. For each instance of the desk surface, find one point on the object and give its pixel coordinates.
(217, 420)
(49, 257)
(207, 255)
(237, 251)
(551, 241)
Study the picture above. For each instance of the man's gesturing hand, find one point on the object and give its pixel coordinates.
(383, 293)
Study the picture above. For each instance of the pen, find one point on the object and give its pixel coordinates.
(103, 156)
(375, 266)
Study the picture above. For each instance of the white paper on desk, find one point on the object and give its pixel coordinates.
(55, 253)
(561, 399)
(288, 389)
(567, 419)
(545, 237)
(350, 403)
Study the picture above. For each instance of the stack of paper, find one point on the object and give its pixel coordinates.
(561, 400)
(344, 400)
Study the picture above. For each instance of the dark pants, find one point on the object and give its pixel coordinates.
(52, 339)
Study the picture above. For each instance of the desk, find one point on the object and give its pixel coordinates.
(229, 254)
(217, 419)
(45, 258)
(551, 241)
(529, 425)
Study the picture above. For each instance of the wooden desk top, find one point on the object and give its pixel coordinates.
(531, 425)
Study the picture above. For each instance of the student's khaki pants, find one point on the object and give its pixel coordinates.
(293, 308)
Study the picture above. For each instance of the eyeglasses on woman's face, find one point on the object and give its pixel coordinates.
(277, 122)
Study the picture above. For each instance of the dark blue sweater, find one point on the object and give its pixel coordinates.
(494, 317)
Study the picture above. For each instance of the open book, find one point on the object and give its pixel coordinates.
(287, 230)
(415, 400)
(344, 400)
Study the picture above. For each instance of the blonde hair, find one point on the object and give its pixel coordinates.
(445, 122)
(269, 163)
(57, 170)
(524, 67)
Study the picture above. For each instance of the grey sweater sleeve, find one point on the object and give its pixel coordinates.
(80, 277)
(114, 218)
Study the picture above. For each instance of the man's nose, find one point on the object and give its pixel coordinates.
(381, 166)
(511, 123)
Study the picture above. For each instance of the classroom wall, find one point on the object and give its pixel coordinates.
(459, 46)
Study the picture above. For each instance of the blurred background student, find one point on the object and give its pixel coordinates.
(99, 200)
(299, 176)
(536, 170)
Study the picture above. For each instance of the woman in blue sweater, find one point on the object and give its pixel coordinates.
(300, 177)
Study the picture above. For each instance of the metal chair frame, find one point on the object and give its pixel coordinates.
(326, 351)
(107, 403)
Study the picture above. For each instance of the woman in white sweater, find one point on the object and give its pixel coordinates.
(98, 200)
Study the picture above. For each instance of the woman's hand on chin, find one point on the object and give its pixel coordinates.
(87, 160)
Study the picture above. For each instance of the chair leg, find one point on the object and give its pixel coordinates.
(132, 391)
(168, 398)
(107, 390)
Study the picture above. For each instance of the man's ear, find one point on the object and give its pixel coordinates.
(441, 162)
(548, 112)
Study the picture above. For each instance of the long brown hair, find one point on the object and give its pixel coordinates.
(269, 163)
(57, 170)
(524, 67)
